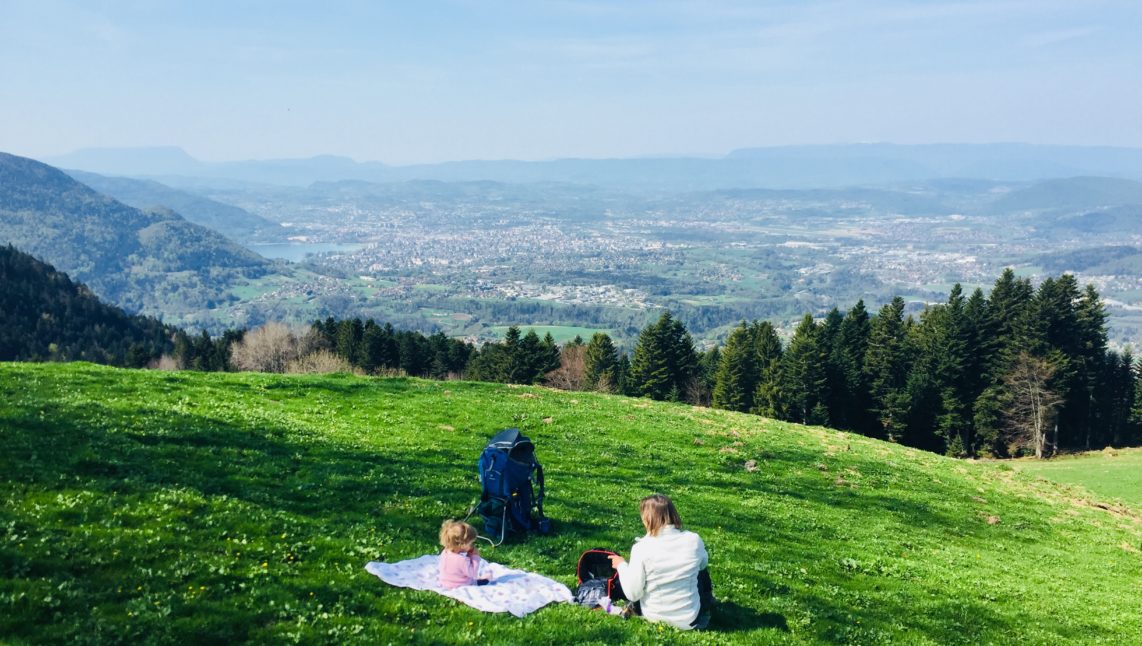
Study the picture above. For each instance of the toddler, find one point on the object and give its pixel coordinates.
(459, 560)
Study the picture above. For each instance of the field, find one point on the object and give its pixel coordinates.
(1113, 475)
(157, 507)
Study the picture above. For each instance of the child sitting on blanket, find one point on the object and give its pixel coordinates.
(460, 560)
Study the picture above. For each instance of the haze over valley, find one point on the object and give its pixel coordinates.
(472, 257)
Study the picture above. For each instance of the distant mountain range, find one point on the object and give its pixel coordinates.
(1072, 193)
(150, 262)
(231, 221)
(823, 166)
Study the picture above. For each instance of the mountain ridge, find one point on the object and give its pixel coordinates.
(813, 166)
(136, 260)
(229, 220)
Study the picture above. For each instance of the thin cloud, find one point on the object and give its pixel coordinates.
(1057, 37)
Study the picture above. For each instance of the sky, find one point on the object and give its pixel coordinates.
(422, 81)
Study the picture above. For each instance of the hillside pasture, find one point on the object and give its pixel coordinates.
(1113, 474)
(159, 507)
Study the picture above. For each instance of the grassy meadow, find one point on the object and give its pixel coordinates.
(160, 507)
(1112, 475)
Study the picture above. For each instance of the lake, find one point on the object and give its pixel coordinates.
(297, 251)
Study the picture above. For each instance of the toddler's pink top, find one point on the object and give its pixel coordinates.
(458, 568)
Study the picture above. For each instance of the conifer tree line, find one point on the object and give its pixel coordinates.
(1020, 370)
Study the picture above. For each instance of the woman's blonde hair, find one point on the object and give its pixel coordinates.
(657, 511)
(455, 534)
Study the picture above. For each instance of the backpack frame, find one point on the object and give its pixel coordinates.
(510, 475)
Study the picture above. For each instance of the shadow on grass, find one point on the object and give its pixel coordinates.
(731, 617)
(270, 467)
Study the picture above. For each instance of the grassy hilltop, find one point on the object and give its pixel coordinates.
(210, 508)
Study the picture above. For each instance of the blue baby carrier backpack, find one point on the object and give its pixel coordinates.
(510, 476)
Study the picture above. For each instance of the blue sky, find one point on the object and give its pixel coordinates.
(422, 81)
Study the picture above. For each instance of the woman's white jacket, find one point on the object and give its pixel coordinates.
(662, 575)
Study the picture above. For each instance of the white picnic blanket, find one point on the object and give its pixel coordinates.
(513, 591)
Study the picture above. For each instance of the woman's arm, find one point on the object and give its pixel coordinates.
(632, 575)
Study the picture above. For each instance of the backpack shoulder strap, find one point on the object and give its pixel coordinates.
(539, 481)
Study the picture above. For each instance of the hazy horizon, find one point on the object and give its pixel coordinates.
(458, 80)
(177, 149)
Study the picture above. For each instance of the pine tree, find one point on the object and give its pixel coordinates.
(1093, 376)
(413, 358)
(1008, 306)
(1117, 388)
(373, 343)
(650, 373)
(551, 353)
(1052, 333)
(922, 391)
(738, 372)
(767, 348)
(804, 382)
(622, 376)
(949, 348)
(886, 370)
(665, 362)
(601, 359)
(530, 361)
(849, 355)
(511, 366)
(1132, 432)
(350, 333)
(708, 363)
(837, 392)
(684, 361)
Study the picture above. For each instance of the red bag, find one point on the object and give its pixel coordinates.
(595, 564)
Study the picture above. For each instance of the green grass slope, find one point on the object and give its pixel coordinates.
(1112, 474)
(160, 507)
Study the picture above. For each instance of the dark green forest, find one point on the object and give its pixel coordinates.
(1020, 370)
(44, 316)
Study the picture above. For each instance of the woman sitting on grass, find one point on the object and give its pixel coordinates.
(662, 575)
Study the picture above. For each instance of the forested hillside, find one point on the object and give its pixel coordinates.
(144, 262)
(44, 316)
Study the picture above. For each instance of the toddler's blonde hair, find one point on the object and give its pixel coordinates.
(658, 511)
(455, 534)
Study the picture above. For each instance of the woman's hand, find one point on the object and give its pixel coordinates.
(616, 560)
